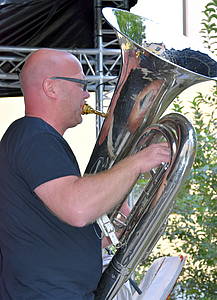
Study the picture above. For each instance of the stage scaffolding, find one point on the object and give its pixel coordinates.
(101, 64)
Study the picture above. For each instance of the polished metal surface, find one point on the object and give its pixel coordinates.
(154, 71)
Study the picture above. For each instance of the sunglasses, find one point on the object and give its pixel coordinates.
(83, 82)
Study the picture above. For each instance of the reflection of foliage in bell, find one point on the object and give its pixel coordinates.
(131, 25)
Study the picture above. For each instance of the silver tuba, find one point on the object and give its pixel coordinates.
(154, 72)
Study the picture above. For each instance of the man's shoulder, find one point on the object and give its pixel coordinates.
(27, 133)
(28, 128)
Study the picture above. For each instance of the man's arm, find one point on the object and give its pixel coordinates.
(81, 200)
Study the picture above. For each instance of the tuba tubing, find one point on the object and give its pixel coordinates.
(148, 218)
(153, 73)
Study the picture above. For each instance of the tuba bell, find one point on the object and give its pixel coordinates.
(155, 70)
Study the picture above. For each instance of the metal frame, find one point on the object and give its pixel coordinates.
(14, 58)
(105, 38)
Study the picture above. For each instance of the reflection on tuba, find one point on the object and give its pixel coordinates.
(154, 71)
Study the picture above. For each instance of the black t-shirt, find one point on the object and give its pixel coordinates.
(41, 257)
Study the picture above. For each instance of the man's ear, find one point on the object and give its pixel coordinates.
(49, 88)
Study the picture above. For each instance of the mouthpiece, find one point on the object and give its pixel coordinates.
(87, 109)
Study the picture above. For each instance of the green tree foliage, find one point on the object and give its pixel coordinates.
(209, 26)
(194, 221)
(192, 225)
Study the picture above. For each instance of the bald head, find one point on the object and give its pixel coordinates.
(58, 102)
(45, 63)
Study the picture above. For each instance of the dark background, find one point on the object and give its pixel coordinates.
(48, 23)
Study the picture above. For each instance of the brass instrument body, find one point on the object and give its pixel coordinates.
(150, 79)
(149, 215)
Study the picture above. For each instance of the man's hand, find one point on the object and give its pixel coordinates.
(152, 156)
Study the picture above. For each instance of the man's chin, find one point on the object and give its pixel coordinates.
(79, 121)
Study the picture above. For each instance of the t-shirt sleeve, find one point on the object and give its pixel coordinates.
(43, 158)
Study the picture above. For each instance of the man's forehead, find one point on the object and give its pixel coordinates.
(76, 71)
